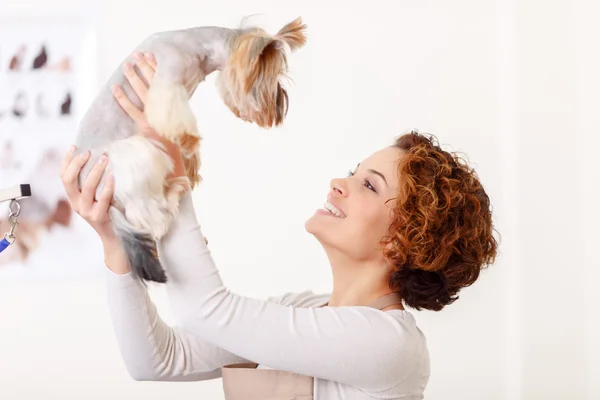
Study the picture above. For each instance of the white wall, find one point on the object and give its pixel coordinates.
(493, 79)
(558, 190)
(588, 120)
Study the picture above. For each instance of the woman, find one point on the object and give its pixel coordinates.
(410, 226)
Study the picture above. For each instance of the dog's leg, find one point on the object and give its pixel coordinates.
(140, 171)
(168, 111)
(167, 107)
(192, 165)
(190, 150)
(175, 187)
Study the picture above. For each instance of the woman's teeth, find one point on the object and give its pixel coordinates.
(331, 208)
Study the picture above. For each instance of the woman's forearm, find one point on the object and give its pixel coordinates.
(151, 349)
(115, 256)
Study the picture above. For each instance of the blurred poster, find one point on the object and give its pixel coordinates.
(47, 76)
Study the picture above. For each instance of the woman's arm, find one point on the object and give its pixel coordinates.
(150, 348)
(359, 346)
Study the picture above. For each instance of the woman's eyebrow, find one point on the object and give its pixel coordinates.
(376, 173)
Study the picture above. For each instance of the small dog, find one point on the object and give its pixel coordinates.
(251, 63)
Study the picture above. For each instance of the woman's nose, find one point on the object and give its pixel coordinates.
(339, 187)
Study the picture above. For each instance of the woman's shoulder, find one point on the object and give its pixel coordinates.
(306, 298)
(309, 298)
(398, 327)
(396, 331)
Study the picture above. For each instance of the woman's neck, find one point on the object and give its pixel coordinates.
(357, 283)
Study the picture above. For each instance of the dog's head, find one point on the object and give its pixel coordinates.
(250, 83)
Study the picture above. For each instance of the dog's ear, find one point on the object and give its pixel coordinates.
(268, 61)
(281, 104)
(294, 34)
(257, 45)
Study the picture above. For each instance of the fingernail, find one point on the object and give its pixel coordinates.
(72, 148)
(126, 66)
(149, 56)
(138, 56)
(85, 154)
(110, 178)
(102, 159)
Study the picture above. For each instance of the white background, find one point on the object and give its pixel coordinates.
(512, 84)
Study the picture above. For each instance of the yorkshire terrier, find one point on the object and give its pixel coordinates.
(251, 63)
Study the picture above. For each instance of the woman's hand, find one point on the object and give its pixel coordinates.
(94, 212)
(147, 66)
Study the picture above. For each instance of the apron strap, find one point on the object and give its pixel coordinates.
(386, 301)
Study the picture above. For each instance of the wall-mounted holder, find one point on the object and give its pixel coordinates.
(13, 194)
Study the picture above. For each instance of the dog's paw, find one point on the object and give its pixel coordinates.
(175, 188)
(189, 144)
(192, 166)
(168, 111)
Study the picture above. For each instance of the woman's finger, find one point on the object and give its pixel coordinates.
(70, 176)
(67, 160)
(151, 60)
(105, 198)
(139, 86)
(88, 191)
(135, 113)
(145, 68)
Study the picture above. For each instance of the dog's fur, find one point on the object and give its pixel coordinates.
(252, 63)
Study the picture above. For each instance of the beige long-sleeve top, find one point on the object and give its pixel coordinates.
(352, 352)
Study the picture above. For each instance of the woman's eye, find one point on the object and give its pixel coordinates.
(369, 186)
(366, 183)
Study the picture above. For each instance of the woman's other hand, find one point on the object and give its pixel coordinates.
(146, 64)
(94, 212)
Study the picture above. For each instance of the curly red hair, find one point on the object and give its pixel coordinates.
(442, 234)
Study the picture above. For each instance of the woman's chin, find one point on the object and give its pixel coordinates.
(320, 227)
(310, 225)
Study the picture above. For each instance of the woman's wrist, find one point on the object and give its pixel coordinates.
(115, 256)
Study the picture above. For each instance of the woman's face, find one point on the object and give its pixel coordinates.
(357, 214)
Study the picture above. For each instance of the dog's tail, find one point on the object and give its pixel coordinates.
(139, 247)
